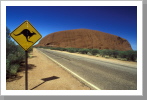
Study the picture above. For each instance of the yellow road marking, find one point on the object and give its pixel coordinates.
(72, 72)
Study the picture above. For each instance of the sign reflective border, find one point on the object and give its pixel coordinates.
(26, 35)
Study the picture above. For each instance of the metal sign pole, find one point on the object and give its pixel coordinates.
(26, 70)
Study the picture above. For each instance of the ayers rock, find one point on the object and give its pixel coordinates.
(85, 38)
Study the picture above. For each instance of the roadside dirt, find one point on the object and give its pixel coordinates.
(45, 75)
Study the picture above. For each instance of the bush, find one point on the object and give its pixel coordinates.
(14, 56)
(62, 49)
(114, 53)
(14, 69)
(57, 48)
(94, 51)
(131, 55)
(122, 54)
(104, 52)
(72, 50)
(83, 51)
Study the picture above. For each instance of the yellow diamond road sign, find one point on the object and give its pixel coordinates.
(26, 35)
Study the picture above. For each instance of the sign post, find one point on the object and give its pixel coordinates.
(26, 36)
(26, 70)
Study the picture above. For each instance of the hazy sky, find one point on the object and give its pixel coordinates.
(116, 20)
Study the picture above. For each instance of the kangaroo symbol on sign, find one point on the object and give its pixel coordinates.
(27, 34)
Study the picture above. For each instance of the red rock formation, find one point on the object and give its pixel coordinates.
(85, 38)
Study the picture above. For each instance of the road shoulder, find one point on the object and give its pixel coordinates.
(46, 75)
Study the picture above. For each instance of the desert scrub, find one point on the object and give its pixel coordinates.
(14, 56)
(94, 51)
(130, 55)
(83, 51)
(72, 50)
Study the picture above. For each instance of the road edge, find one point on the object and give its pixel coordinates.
(89, 84)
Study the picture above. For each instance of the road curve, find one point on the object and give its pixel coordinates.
(100, 74)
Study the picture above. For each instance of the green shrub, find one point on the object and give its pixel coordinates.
(110, 53)
(131, 55)
(14, 69)
(94, 51)
(83, 51)
(62, 49)
(14, 56)
(52, 48)
(114, 53)
(122, 54)
(104, 52)
(57, 48)
(72, 50)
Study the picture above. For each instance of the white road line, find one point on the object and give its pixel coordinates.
(72, 72)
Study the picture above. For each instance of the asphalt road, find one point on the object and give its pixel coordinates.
(103, 75)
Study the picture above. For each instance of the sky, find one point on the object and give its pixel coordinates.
(116, 20)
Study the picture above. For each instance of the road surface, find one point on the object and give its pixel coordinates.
(96, 73)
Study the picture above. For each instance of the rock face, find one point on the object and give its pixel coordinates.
(85, 38)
